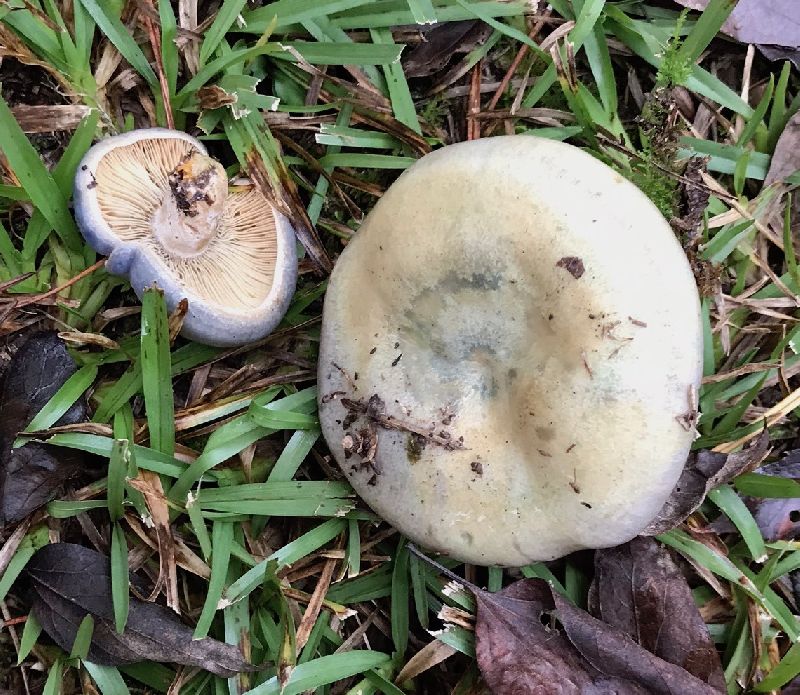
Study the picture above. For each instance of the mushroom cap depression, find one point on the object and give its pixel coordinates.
(162, 210)
(510, 353)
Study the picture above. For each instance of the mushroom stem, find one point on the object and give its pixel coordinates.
(190, 216)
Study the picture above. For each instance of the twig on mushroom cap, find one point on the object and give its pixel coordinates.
(375, 410)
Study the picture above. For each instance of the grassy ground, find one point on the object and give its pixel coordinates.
(310, 94)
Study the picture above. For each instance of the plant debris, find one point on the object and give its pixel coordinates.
(786, 157)
(573, 265)
(441, 44)
(704, 470)
(778, 518)
(640, 590)
(31, 475)
(646, 637)
(70, 582)
(773, 22)
(374, 410)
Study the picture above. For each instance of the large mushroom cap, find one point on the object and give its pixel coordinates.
(161, 209)
(510, 351)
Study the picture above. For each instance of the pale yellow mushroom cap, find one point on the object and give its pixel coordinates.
(530, 315)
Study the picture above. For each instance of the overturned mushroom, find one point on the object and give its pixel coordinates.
(510, 352)
(163, 212)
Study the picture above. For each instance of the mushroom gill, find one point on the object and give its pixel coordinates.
(235, 268)
(132, 182)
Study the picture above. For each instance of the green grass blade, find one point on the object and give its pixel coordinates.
(366, 161)
(221, 540)
(723, 567)
(119, 35)
(84, 27)
(298, 548)
(157, 372)
(749, 131)
(107, 678)
(786, 670)
(400, 95)
(584, 27)
(30, 633)
(65, 509)
(118, 464)
(63, 399)
(245, 433)
(41, 37)
(767, 486)
(328, 53)
(705, 29)
(11, 257)
(322, 671)
(33, 540)
(36, 179)
(169, 51)
(399, 602)
(778, 112)
(226, 16)
(81, 140)
(125, 388)
(218, 65)
(596, 49)
(284, 13)
(200, 531)
(52, 685)
(390, 13)
(353, 548)
(83, 638)
(120, 579)
(423, 11)
(377, 680)
(293, 454)
(735, 509)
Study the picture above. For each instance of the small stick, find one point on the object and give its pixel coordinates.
(56, 290)
(473, 126)
(446, 572)
(155, 42)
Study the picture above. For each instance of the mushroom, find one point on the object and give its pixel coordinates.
(161, 209)
(510, 351)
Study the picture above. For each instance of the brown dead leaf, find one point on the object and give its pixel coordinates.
(79, 339)
(31, 475)
(519, 655)
(779, 518)
(69, 582)
(214, 97)
(786, 157)
(703, 471)
(149, 484)
(426, 658)
(640, 590)
(792, 687)
(521, 651)
(441, 44)
(176, 319)
(776, 53)
(616, 654)
(46, 119)
(775, 22)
